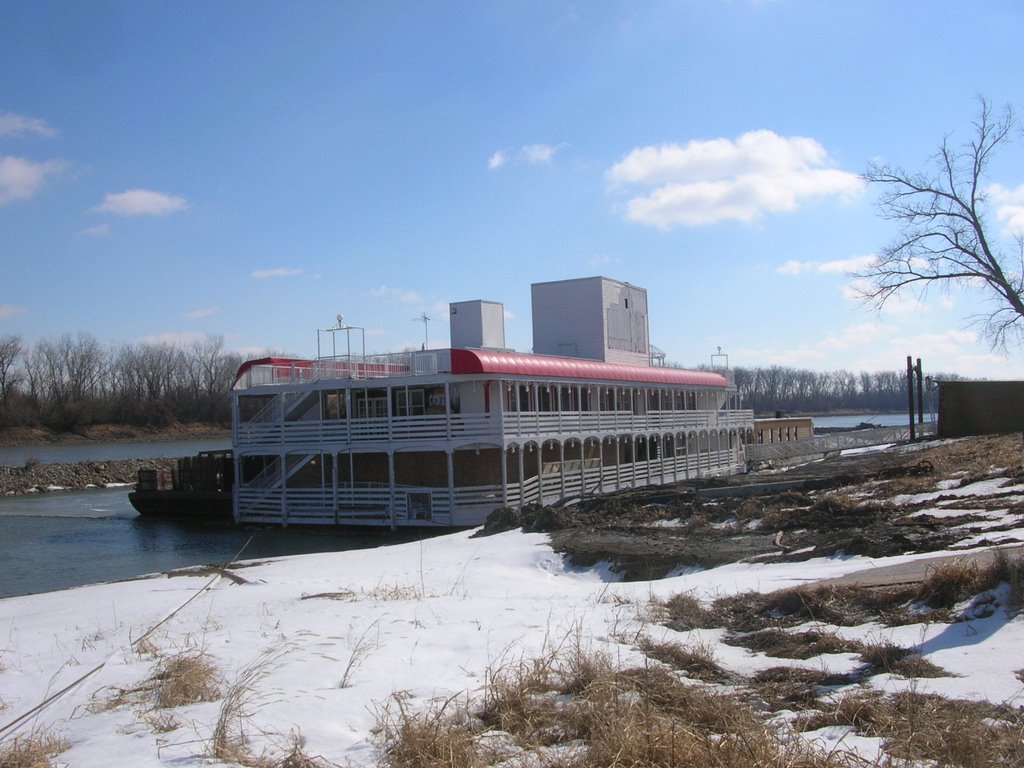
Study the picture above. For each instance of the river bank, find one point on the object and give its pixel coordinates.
(109, 433)
(36, 477)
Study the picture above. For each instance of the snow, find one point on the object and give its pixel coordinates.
(426, 619)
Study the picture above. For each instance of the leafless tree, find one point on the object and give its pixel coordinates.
(943, 238)
(10, 351)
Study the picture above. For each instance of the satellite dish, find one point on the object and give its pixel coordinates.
(341, 320)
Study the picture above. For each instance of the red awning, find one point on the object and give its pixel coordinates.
(468, 361)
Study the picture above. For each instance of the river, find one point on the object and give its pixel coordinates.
(876, 419)
(65, 539)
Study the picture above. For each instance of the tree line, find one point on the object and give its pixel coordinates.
(70, 382)
(793, 390)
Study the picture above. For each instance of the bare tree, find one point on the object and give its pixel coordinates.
(943, 238)
(10, 350)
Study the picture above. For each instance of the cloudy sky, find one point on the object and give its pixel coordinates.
(174, 170)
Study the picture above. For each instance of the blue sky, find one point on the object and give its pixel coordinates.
(174, 170)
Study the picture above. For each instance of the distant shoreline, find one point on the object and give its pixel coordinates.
(27, 437)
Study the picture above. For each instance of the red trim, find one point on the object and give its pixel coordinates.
(284, 362)
(469, 361)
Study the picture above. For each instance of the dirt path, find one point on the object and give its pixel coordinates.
(918, 570)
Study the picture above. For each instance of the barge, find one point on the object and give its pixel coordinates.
(198, 489)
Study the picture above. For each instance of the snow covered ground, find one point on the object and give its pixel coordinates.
(339, 634)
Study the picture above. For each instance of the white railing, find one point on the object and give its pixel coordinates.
(528, 423)
(348, 367)
(482, 425)
(378, 504)
(368, 430)
(837, 441)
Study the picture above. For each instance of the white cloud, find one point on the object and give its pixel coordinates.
(938, 345)
(899, 304)
(141, 202)
(796, 267)
(174, 338)
(263, 274)
(20, 125)
(843, 266)
(707, 182)
(1010, 207)
(198, 314)
(497, 160)
(20, 179)
(100, 230)
(599, 260)
(539, 154)
(531, 154)
(10, 310)
(399, 294)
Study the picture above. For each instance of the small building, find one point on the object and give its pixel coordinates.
(980, 407)
(444, 437)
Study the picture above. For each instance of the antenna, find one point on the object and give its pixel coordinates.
(341, 321)
(423, 319)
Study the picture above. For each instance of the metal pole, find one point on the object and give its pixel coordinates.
(920, 392)
(910, 395)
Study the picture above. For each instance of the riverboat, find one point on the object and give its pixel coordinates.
(443, 437)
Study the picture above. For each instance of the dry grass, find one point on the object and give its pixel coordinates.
(794, 645)
(697, 660)
(229, 742)
(792, 688)
(576, 709)
(439, 735)
(684, 612)
(186, 678)
(839, 605)
(179, 680)
(296, 757)
(895, 659)
(33, 751)
(922, 727)
(958, 580)
(388, 592)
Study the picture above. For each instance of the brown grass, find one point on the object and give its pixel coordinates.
(697, 660)
(684, 612)
(439, 735)
(840, 605)
(794, 645)
(296, 757)
(229, 741)
(888, 657)
(924, 727)
(607, 718)
(952, 582)
(794, 688)
(33, 751)
(186, 678)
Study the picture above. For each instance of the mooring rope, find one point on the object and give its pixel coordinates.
(6, 729)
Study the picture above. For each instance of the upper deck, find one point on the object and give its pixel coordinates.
(270, 371)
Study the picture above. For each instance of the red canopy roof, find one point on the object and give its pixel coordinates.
(485, 361)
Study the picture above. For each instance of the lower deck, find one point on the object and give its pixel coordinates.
(335, 486)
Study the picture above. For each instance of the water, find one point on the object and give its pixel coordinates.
(67, 539)
(877, 419)
(70, 453)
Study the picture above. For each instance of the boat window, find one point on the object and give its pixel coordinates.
(409, 402)
(369, 403)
